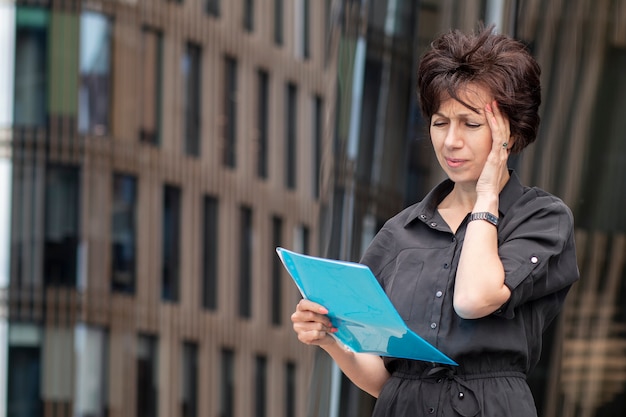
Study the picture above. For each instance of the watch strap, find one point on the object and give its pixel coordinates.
(485, 215)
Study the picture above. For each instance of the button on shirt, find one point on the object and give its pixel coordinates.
(415, 257)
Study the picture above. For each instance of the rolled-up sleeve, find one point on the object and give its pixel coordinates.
(538, 252)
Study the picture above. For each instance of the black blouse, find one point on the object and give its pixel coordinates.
(415, 258)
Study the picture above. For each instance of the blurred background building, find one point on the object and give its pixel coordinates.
(153, 153)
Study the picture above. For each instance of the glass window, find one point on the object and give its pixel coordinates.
(151, 86)
(91, 345)
(278, 22)
(31, 64)
(95, 74)
(171, 243)
(301, 239)
(192, 69)
(64, 79)
(213, 7)
(24, 371)
(227, 383)
(62, 221)
(291, 115)
(210, 247)
(189, 394)
(290, 389)
(260, 386)
(248, 15)
(302, 29)
(318, 138)
(124, 233)
(230, 112)
(262, 122)
(245, 262)
(276, 294)
(147, 387)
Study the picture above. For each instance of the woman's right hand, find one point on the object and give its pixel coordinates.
(312, 324)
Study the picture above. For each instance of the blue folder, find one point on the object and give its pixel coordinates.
(365, 319)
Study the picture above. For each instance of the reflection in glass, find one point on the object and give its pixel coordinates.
(31, 54)
(62, 220)
(170, 279)
(95, 74)
(147, 387)
(91, 348)
(192, 76)
(124, 234)
(24, 371)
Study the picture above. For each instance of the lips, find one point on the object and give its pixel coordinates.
(455, 162)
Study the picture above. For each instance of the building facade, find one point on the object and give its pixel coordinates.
(153, 153)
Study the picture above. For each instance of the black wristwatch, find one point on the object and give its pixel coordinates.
(485, 215)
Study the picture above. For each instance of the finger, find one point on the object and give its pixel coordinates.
(312, 337)
(499, 125)
(308, 312)
(309, 305)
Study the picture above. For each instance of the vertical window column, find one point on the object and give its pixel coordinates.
(278, 22)
(210, 237)
(147, 376)
(318, 142)
(302, 29)
(31, 67)
(94, 96)
(62, 225)
(124, 233)
(263, 115)
(291, 154)
(25, 371)
(276, 294)
(230, 112)
(290, 389)
(227, 383)
(260, 386)
(151, 86)
(245, 262)
(248, 15)
(192, 69)
(171, 238)
(212, 7)
(91, 344)
(189, 394)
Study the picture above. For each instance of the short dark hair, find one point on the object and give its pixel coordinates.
(495, 61)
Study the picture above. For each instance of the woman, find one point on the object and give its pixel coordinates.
(481, 266)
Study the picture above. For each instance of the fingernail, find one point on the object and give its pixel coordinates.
(488, 107)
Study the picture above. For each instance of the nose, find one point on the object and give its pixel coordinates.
(453, 137)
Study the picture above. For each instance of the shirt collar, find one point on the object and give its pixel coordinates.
(427, 208)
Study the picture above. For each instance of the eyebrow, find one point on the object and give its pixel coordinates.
(461, 115)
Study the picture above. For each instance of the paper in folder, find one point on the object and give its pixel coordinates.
(365, 318)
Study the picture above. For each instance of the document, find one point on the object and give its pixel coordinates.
(365, 318)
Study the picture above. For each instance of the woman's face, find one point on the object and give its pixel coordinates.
(460, 136)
